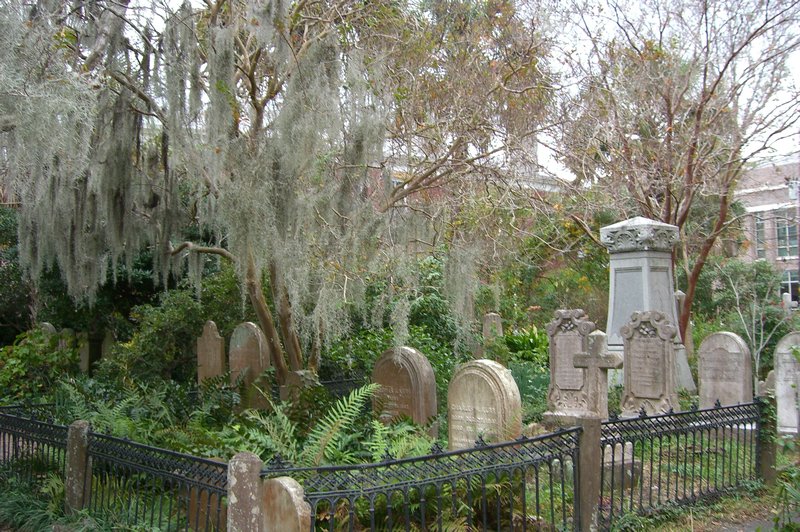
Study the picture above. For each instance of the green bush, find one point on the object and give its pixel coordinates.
(31, 366)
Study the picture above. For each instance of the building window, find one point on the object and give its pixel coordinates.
(790, 283)
(786, 229)
(761, 247)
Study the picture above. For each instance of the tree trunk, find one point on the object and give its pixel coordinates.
(281, 298)
(256, 294)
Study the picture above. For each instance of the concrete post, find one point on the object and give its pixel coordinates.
(591, 457)
(78, 469)
(767, 445)
(245, 493)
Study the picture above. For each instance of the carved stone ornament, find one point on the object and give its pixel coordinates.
(566, 320)
(649, 324)
(639, 234)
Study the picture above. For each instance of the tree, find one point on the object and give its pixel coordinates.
(674, 100)
(285, 136)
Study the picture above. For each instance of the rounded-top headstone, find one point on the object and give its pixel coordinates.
(408, 385)
(482, 401)
(787, 383)
(249, 355)
(724, 370)
(210, 353)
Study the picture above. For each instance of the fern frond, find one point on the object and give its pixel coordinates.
(378, 444)
(325, 436)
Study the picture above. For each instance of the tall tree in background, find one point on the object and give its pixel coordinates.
(672, 102)
(284, 135)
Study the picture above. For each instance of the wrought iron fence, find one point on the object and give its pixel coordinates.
(525, 484)
(675, 458)
(31, 447)
(155, 487)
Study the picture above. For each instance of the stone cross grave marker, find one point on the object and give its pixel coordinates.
(649, 369)
(408, 386)
(787, 383)
(210, 353)
(249, 356)
(724, 370)
(567, 396)
(596, 363)
(482, 401)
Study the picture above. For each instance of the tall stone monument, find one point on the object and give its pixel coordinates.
(408, 385)
(725, 370)
(249, 357)
(649, 368)
(787, 384)
(640, 253)
(567, 396)
(482, 401)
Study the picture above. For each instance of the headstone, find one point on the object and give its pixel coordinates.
(296, 382)
(597, 362)
(210, 353)
(787, 383)
(66, 339)
(767, 386)
(48, 328)
(725, 370)
(482, 401)
(492, 326)
(649, 368)
(640, 253)
(408, 386)
(107, 345)
(249, 356)
(567, 396)
(786, 301)
(84, 352)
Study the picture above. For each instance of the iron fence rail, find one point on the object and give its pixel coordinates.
(130, 483)
(676, 458)
(31, 448)
(525, 484)
(156, 487)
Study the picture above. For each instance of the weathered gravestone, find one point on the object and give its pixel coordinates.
(649, 368)
(249, 357)
(84, 352)
(767, 386)
(724, 370)
(567, 396)
(210, 353)
(640, 264)
(108, 345)
(408, 386)
(492, 327)
(482, 401)
(48, 328)
(67, 339)
(787, 383)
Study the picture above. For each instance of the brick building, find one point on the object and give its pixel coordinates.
(769, 195)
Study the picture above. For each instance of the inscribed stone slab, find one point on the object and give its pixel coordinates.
(787, 384)
(569, 336)
(482, 401)
(649, 369)
(249, 357)
(408, 386)
(210, 353)
(724, 370)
